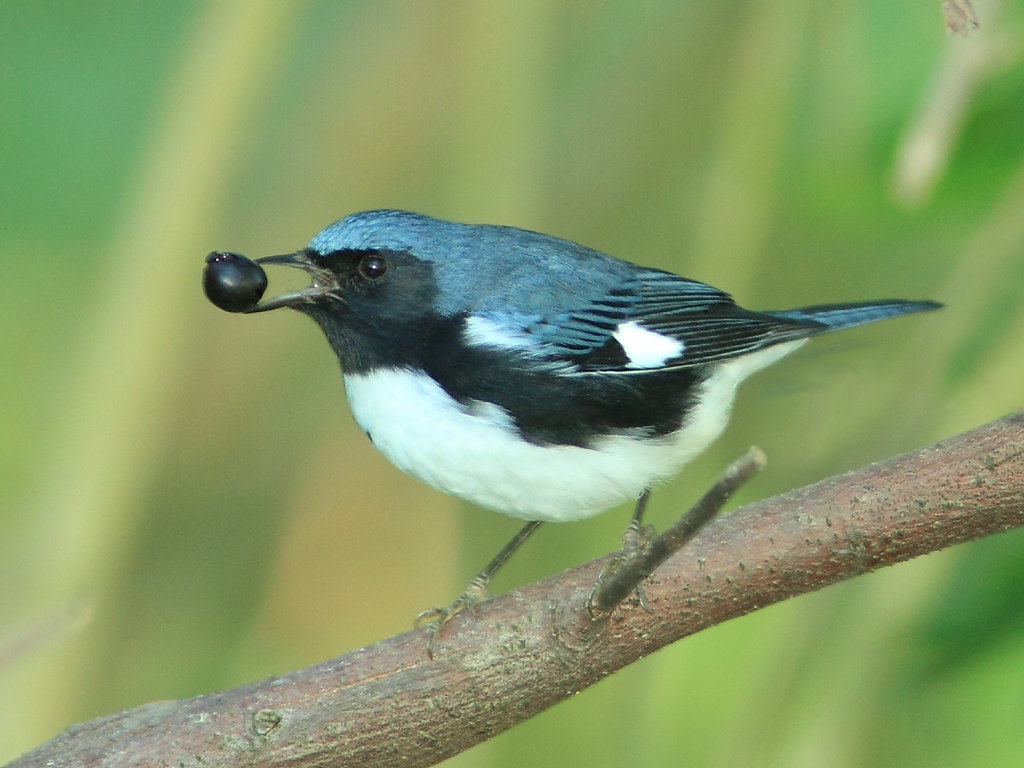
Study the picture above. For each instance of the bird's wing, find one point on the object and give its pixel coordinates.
(660, 321)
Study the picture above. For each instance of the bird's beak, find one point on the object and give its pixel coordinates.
(322, 283)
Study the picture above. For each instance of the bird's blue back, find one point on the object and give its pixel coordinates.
(486, 269)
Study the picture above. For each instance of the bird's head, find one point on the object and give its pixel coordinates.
(364, 260)
(373, 286)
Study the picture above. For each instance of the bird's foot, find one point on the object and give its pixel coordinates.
(637, 543)
(434, 619)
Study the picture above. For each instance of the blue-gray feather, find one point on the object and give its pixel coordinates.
(837, 316)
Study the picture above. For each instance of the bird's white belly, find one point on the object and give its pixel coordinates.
(475, 452)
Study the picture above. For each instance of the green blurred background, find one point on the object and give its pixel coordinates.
(186, 504)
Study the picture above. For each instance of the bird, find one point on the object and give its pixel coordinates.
(527, 374)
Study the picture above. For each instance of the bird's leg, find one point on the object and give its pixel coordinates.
(637, 534)
(636, 542)
(476, 591)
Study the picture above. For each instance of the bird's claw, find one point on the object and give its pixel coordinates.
(636, 542)
(636, 539)
(434, 619)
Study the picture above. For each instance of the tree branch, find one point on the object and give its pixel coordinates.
(389, 705)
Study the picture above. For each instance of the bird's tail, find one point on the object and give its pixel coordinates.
(837, 316)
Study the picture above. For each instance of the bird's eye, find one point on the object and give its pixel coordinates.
(373, 267)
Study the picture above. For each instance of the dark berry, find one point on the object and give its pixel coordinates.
(233, 282)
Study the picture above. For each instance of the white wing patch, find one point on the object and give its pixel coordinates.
(646, 348)
(485, 332)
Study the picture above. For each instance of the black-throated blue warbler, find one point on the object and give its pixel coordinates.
(525, 373)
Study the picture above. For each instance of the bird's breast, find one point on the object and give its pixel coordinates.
(475, 452)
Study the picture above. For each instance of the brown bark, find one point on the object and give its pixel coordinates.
(389, 705)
